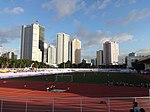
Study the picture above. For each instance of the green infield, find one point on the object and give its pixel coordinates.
(90, 77)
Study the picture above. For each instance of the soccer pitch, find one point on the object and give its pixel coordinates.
(88, 77)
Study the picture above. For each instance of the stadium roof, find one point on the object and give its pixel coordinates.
(145, 59)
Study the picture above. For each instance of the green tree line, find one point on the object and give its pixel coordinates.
(20, 63)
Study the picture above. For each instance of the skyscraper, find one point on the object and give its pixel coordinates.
(63, 41)
(42, 44)
(99, 57)
(45, 53)
(76, 51)
(30, 43)
(111, 52)
(51, 55)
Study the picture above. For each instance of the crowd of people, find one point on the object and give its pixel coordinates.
(113, 83)
(136, 108)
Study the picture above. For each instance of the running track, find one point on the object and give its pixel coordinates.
(33, 97)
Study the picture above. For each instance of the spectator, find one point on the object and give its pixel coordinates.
(142, 110)
(136, 108)
(131, 110)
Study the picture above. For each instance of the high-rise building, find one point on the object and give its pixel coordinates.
(45, 53)
(110, 52)
(30, 42)
(76, 51)
(42, 44)
(51, 55)
(93, 61)
(99, 57)
(10, 55)
(131, 58)
(63, 41)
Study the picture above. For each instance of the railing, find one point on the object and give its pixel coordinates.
(48, 104)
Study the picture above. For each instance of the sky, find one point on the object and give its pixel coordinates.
(91, 21)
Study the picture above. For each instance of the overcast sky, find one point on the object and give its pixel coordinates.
(91, 21)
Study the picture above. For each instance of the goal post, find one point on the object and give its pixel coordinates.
(63, 78)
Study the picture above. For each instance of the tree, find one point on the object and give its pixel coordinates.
(3, 62)
(68, 64)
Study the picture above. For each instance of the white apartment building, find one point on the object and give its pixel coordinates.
(51, 55)
(30, 43)
(63, 41)
(45, 53)
(76, 51)
(110, 52)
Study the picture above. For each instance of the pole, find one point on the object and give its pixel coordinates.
(80, 105)
(26, 110)
(1, 105)
(53, 106)
(108, 104)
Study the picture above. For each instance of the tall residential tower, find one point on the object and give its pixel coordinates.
(63, 43)
(99, 57)
(51, 55)
(110, 52)
(30, 42)
(76, 51)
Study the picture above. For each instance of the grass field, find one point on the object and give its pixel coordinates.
(88, 77)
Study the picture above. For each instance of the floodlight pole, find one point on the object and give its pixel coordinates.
(27, 105)
(81, 108)
(1, 105)
(53, 106)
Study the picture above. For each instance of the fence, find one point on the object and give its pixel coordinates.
(48, 104)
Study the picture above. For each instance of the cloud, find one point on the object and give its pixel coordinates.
(64, 7)
(92, 41)
(85, 56)
(98, 37)
(144, 51)
(8, 35)
(14, 11)
(133, 16)
(122, 37)
(92, 38)
(120, 3)
(67, 7)
(103, 4)
(132, 1)
(136, 15)
(6, 49)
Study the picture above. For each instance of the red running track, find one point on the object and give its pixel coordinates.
(18, 96)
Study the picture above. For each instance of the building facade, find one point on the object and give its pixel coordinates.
(30, 43)
(10, 55)
(131, 58)
(45, 53)
(76, 51)
(42, 44)
(110, 53)
(51, 55)
(63, 42)
(99, 57)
